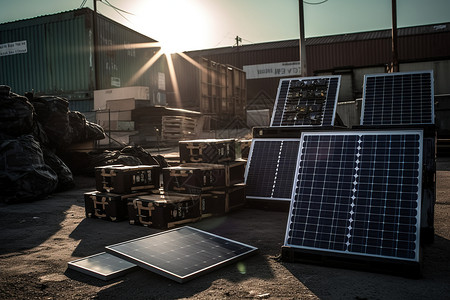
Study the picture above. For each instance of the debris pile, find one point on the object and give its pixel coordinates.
(32, 130)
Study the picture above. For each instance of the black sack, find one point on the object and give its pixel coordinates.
(65, 177)
(137, 151)
(53, 114)
(82, 130)
(16, 113)
(24, 176)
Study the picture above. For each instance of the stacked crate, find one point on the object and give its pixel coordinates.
(218, 163)
(208, 182)
(115, 184)
(175, 128)
(164, 210)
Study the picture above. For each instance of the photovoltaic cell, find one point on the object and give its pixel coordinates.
(358, 193)
(306, 101)
(271, 168)
(398, 99)
(182, 253)
(102, 266)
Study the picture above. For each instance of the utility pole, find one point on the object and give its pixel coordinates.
(238, 39)
(95, 40)
(394, 66)
(302, 46)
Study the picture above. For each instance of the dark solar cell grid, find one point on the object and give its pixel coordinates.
(358, 193)
(398, 99)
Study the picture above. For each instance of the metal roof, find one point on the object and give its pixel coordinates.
(331, 39)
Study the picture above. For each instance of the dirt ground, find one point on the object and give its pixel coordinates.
(38, 239)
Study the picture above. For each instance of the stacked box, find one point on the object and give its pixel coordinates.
(211, 151)
(165, 210)
(194, 178)
(115, 184)
(121, 179)
(218, 154)
(221, 201)
(107, 206)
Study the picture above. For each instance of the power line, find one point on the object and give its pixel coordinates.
(317, 3)
(117, 10)
(83, 3)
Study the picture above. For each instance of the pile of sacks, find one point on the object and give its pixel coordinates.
(32, 130)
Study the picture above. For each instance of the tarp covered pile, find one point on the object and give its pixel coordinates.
(32, 130)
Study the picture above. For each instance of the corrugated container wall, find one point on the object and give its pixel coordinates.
(121, 56)
(59, 57)
(58, 54)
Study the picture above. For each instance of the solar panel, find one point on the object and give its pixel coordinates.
(398, 99)
(182, 253)
(102, 266)
(306, 101)
(271, 168)
(358, 193)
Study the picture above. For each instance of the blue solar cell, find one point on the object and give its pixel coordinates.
(358, 193)
(182, 253)
(398, 98)
(306, 101)
(271, 169)
(102, 265)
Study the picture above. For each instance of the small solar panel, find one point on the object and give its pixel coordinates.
(271, 168)
(102, 266)
(398, 99)
(358, 193)
(306, 101)
(182, 253)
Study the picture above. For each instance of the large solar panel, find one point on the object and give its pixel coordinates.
(306, 101)
(398, 99)
(102, 266)
(358, 193)
(271, 168)
(182, 253)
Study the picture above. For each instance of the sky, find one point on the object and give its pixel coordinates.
(184, 25)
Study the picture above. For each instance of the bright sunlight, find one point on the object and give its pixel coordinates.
(186, 29)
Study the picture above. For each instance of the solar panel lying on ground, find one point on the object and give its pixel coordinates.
(271, 168)
(102, 266)
(182, 253)
(306, 101)
(358, 193)
(398, 99)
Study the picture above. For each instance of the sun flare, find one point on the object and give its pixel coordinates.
(179, 25)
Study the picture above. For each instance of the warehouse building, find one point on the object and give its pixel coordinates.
(350, 55)
(54, 55)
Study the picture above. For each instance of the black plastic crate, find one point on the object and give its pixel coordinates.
(234, 196)
(211, 151)
(164, 211)
(121, 179)
(107, 206)
(194, 178)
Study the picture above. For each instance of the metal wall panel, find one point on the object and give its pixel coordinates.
(119, 57)
(57, 58)
(60, 56)
(336, 54)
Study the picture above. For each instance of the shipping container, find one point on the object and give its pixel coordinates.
(217, 91)
(54, 54)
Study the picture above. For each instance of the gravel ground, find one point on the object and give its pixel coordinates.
(38, 239)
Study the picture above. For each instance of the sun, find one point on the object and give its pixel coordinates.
(179, 25)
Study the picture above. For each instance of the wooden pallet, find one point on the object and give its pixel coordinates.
(176, 128)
